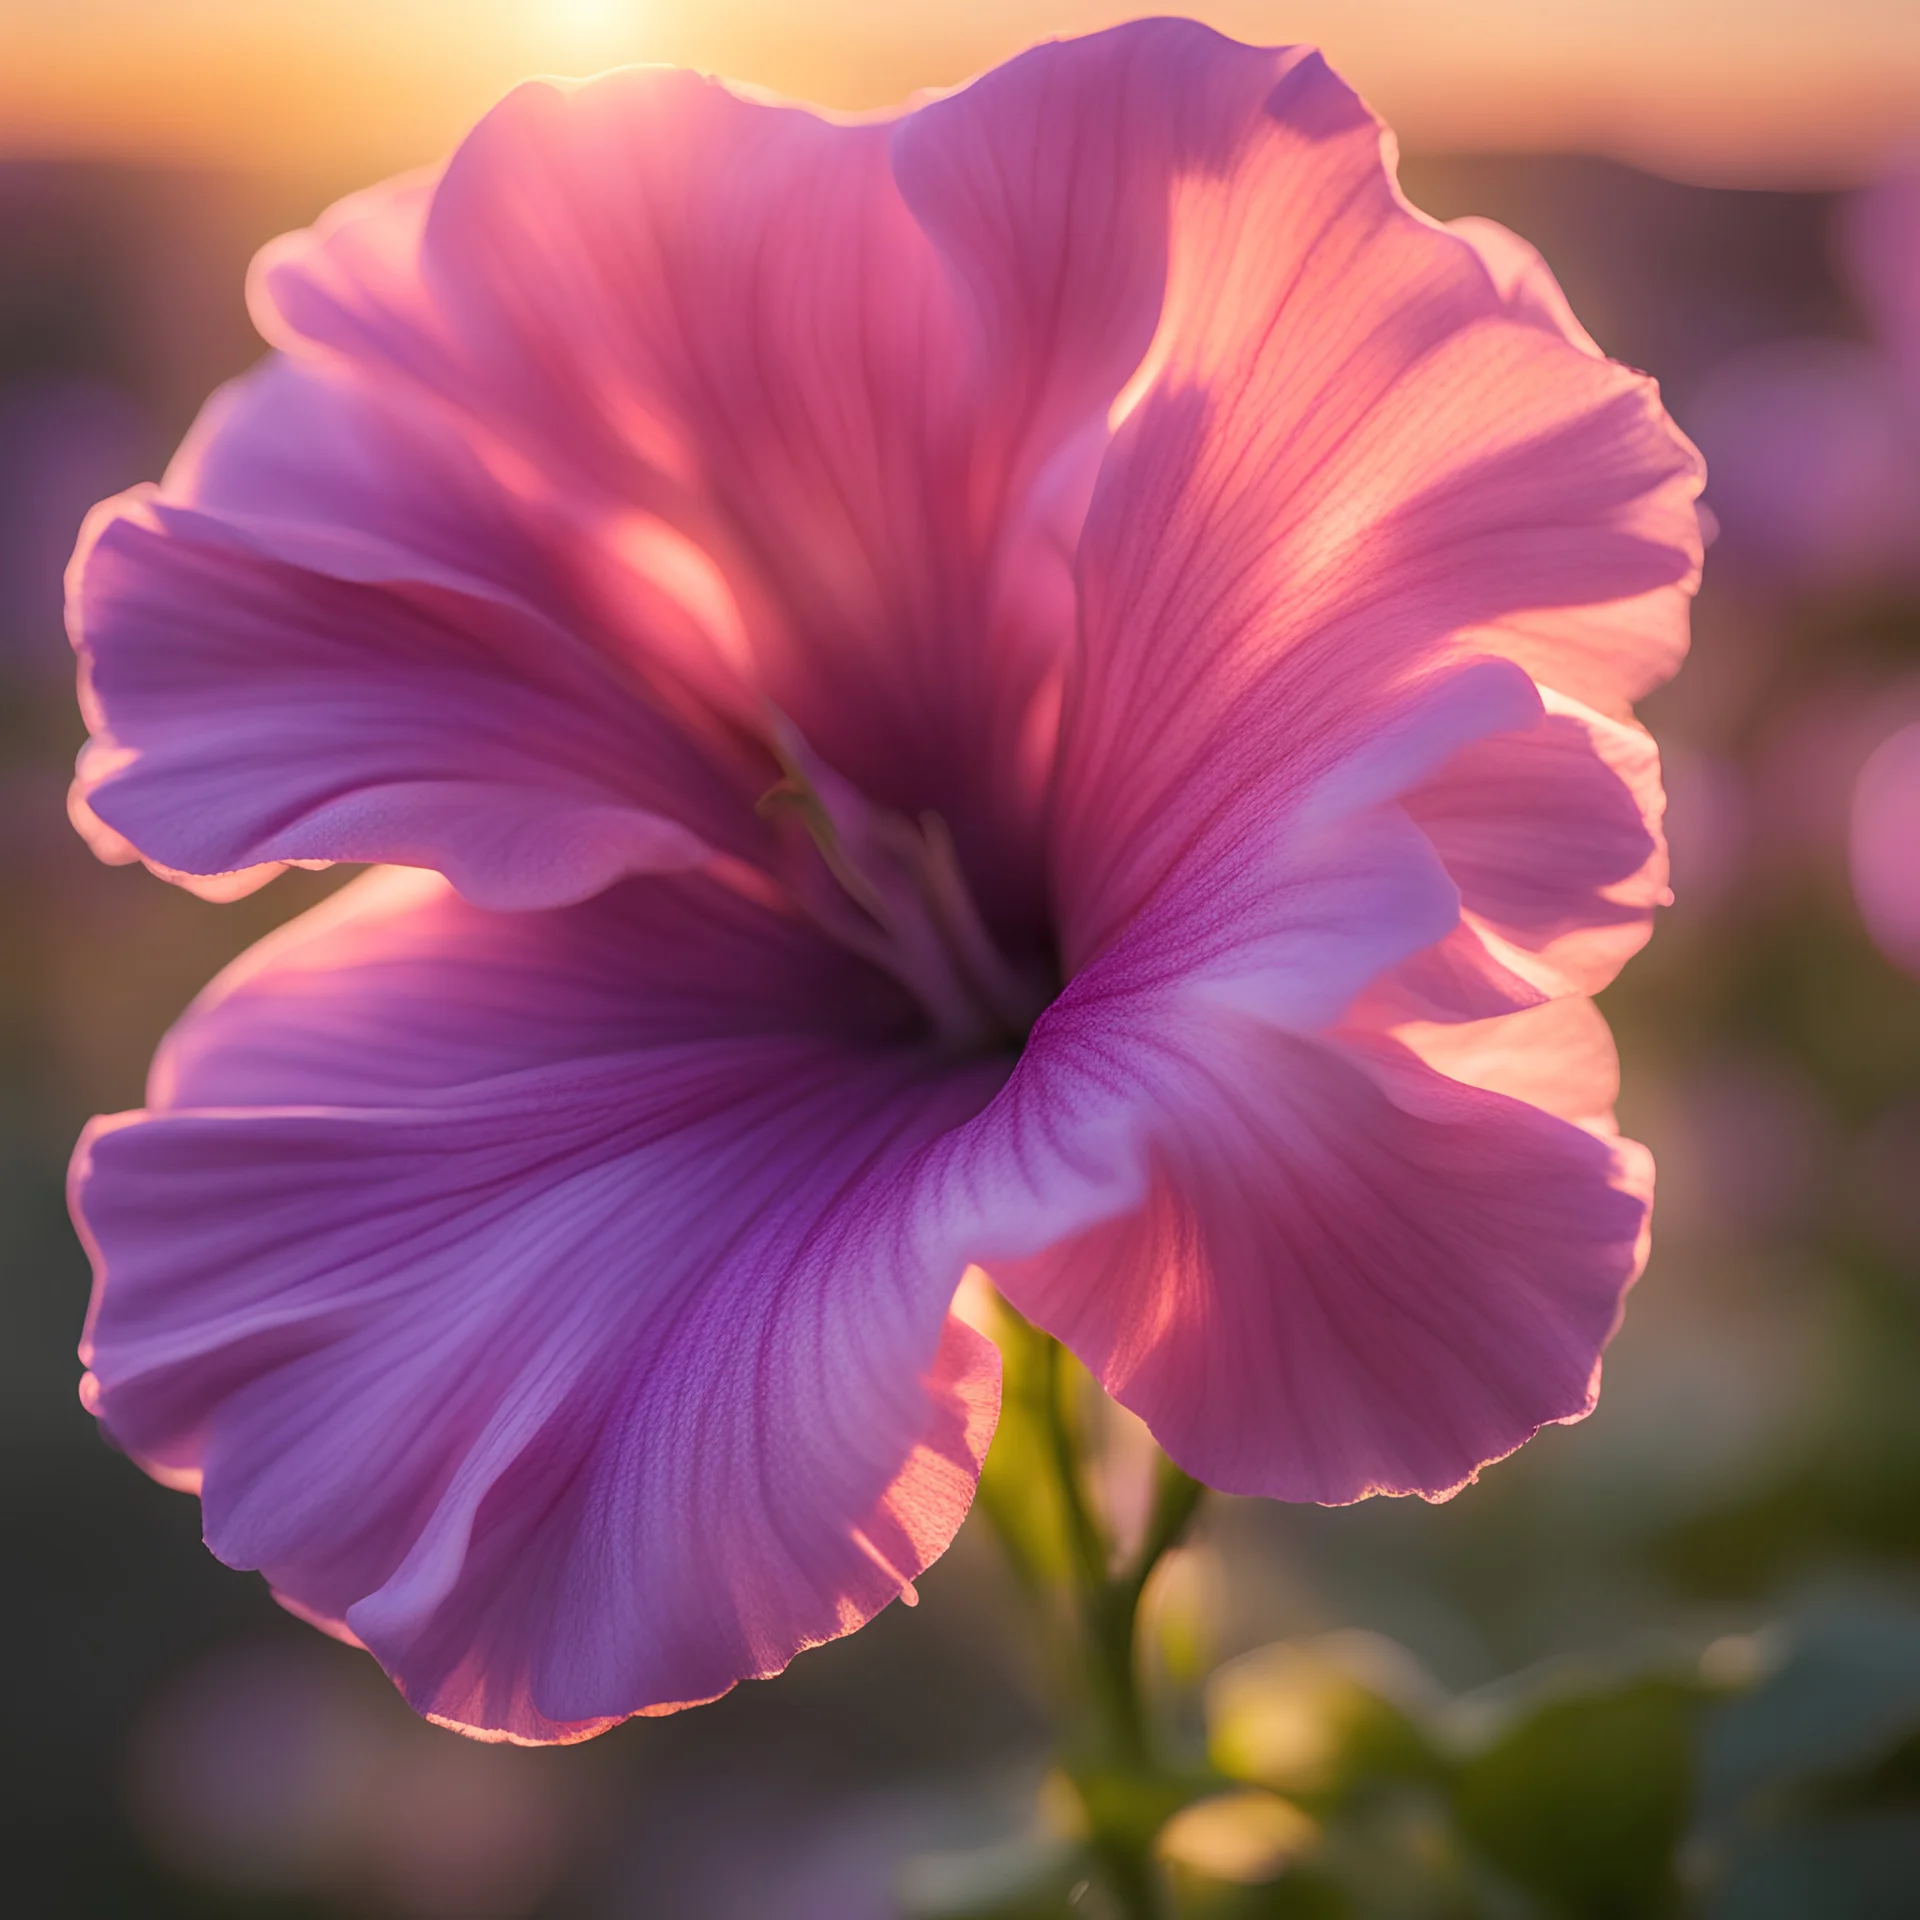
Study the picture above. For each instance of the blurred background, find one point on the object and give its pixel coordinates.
(1665, 1661)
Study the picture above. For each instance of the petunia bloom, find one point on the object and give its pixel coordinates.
(1043, 683)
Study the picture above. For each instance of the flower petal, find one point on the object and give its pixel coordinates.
(1552, 835)
(582, 1352)
(690, 315)
(1523, 280)
(1350, 1275)
(1353, 462)
(1307, 882)
(357, 480)
(332, 637)
(1558, 1056)
(1043, 185)
(396, 992)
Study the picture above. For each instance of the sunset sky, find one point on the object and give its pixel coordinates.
(1765, 91)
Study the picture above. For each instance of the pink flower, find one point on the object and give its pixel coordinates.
(1885, 847)
(813, 597)
(1816, 460)
(1816, 442)
(1880, 249)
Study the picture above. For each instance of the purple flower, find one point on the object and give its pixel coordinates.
(1884, 846)
(1040, 683)
(1816, 442)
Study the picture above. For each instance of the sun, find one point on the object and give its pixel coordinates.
(585, 26)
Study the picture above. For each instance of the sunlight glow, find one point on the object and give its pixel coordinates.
(599, 30)
(1759, 91)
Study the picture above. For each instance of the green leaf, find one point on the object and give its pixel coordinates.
(1585, 1799)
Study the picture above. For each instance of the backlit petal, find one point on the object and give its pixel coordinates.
(1353, 461)
(1350, 1275)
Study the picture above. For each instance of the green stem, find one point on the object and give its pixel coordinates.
(1086, 1540)
(1090, 1613)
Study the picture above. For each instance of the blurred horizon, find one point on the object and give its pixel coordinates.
(1769, 93)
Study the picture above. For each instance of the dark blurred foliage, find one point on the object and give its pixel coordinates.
(1664, 1662)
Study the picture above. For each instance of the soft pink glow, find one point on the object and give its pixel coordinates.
(1816, 442)
(804, 595)
(1886, 847)
(1880, 236)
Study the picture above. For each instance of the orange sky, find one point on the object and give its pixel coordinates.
(1768, 91)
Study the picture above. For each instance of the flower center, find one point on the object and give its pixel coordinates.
(892, 889)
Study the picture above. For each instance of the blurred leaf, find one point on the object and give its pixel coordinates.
(1317, 1719)
(1866, 1867)
(1179, 1612)
(1247, 1838)
(1857, 1489)
(1302, 1894)
(1136, 1806)
(1844, 1698)
(1584, 1800)
(1397, 1854)
(1810, 1783)
(1741, 1548)
(1894, 1780)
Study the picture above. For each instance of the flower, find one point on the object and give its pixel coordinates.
(1815, 442)
(1041, 683)
(1884, 846)
(1880, 250)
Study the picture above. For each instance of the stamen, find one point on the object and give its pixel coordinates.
(898, 897)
